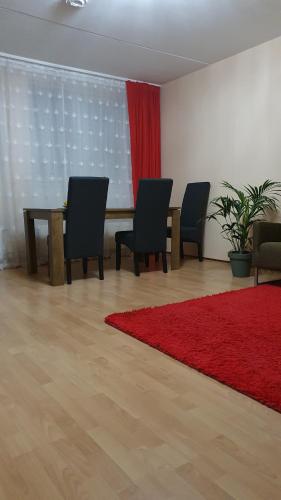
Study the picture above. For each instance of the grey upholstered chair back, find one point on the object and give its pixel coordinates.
(86, 204)
(150, 221)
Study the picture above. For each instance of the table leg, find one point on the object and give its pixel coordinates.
(56, 249)
(175, 241)
(30, 244)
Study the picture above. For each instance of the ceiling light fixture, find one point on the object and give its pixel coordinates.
(77, 3)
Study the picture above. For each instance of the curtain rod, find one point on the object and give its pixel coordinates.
(70, 68)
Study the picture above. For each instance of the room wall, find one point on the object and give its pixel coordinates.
(224, 122)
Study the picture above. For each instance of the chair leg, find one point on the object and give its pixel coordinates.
(256, 276)
(156, 257)
(164, 262)
(85, 265)
(68, 271)
(181, 250)
(146, 260)
(136, 264)
(118, 256)
(101, 274)
(200, 252)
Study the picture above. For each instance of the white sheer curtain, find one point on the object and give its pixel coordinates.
(56, 123)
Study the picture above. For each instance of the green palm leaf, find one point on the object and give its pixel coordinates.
(237, 212)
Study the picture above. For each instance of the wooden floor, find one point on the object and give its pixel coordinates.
(87, 412)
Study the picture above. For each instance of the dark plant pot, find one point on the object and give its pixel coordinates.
(240, 263)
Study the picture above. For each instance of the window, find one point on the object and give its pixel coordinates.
(53, 124)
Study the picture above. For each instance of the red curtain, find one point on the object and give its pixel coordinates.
(144, 118)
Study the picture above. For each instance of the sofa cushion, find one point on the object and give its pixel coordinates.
(269, 255)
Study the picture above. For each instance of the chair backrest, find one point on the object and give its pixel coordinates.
(86, 203)
(150, 221)
(194, 205)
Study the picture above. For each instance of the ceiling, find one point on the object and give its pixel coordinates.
(150, 40)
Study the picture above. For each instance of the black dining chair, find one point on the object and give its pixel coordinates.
(85, 215)
(149, 232)
(193, 215)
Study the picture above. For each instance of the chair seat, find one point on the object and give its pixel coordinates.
(269, 255)
(190, 234)
(187, 233)
(125, 238)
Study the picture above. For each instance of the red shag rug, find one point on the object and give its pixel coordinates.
(234, 337)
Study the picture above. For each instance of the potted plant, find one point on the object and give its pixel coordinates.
(236, 213)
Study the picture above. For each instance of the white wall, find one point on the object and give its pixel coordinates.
(224, 122)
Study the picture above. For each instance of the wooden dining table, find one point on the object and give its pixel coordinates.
(55, 218)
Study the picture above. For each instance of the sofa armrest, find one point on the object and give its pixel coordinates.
(264, 232)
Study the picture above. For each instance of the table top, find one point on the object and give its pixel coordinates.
(108, 210)
(110, 213)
